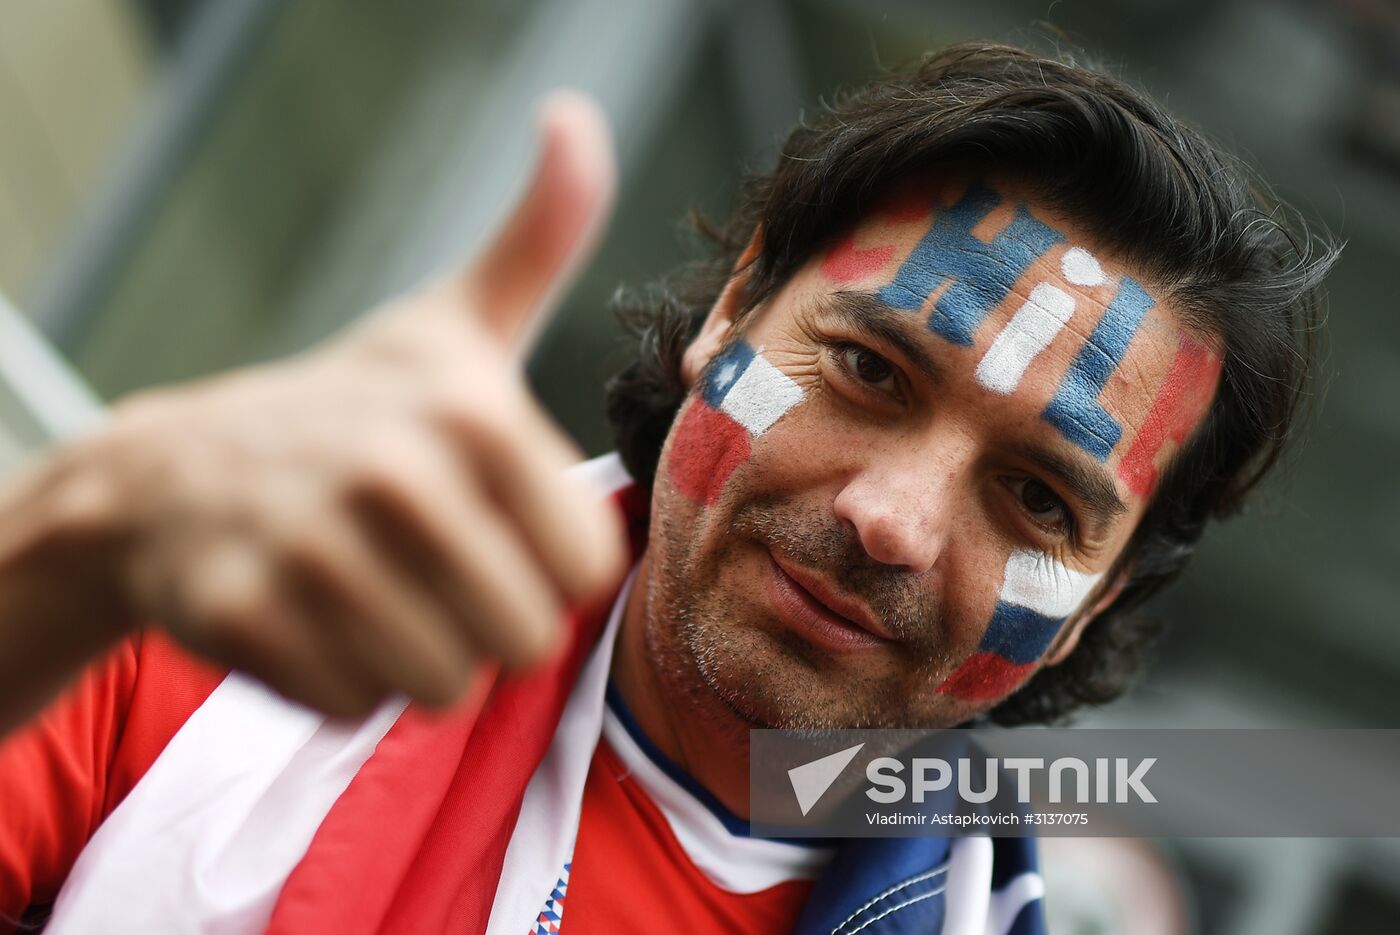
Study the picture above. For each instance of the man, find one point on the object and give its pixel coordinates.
(975, 364)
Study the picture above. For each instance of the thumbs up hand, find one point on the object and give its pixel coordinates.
(383, 514)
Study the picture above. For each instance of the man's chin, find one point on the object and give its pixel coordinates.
(752, 676)
(774, 680)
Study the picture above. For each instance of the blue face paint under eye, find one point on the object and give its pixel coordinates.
(1019, 634)
(982, 273)
(1075, 410)
(723, 371)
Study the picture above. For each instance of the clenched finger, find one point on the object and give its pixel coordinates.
(378, 616)
(465, 552)
(524, 461)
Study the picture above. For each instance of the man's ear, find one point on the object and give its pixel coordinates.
(719, 323)
(1068, 638)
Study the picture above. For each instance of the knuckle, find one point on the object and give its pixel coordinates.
(531, 640)
(309, 556)
(229, 586)
(391, 473)
(235, 633)
(601, 571)
(488, 416)
(600, 559)
(82, 503)
(376, 479)
(83, 510)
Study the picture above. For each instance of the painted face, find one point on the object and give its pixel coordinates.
(891, 498)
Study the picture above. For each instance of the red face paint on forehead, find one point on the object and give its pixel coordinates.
(1182, 400)
(846, 262)
(906, 203)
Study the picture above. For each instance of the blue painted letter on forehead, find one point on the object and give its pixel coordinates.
(982, 273)
(1075, 410)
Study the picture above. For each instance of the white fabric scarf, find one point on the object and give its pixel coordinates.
(207, 838)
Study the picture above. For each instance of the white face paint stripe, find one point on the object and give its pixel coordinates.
(760, 396)
(1036, 581)
(1080, 268)
(1029, 332)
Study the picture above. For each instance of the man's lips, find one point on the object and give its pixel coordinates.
(808, 601)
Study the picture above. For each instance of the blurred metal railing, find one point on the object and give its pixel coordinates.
(42, 399)
(205, 62)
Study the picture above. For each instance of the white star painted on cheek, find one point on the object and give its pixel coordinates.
(726, 374)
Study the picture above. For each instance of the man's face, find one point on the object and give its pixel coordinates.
(893, 494)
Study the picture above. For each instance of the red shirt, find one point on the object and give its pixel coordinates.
(64, 772)
(654, 852)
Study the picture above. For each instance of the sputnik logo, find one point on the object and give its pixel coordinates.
(811, 780)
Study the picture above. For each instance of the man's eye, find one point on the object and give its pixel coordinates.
(1043, 504)
(867, 366)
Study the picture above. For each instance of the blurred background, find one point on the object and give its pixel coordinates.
(189, 185)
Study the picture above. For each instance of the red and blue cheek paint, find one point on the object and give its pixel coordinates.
(1038, 594)
(741, 396)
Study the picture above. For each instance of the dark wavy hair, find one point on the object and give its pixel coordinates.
(1204, 230)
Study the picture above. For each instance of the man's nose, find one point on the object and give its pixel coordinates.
(902, 513)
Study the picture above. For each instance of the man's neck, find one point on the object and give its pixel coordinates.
(676, 709)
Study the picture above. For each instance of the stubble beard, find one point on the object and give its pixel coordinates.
(768, 677)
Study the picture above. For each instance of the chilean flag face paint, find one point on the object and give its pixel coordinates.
(741, 396)
(1033, 339)
(1037, 595)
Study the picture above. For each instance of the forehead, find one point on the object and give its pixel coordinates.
(1022, 306)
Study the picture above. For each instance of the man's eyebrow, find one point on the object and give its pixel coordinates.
(896, 327)
(1090, 484)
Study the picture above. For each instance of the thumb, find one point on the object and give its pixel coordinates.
(522, 272)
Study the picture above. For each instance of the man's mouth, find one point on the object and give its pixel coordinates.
(808, 603)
